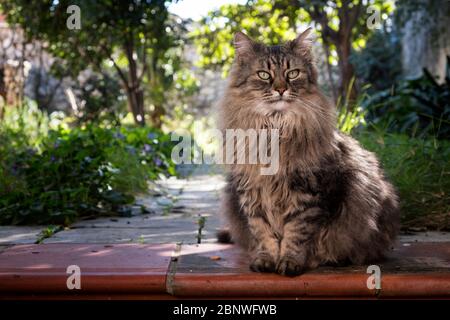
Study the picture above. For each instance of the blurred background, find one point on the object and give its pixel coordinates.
(91, 90)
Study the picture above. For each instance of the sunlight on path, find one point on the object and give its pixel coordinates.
(175, 209)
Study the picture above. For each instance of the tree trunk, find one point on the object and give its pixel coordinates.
(326, 47)
(157, 95)
(348, 17)
(135, 94)
(135, 98)
(342, 40)
(347, 89)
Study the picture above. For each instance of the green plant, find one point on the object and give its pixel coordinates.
(101, 99)
(151, 146)
(378, 63)
(350, 115)
(67, 173)
(48, 232)
(134, 35)
(68, 178)
(417, 107)
(420, 170)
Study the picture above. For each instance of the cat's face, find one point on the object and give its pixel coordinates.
(274, 78)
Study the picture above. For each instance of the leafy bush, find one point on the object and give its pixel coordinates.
(68, 173)
(100, 98)
(152, 147)
(420, 170)
(417, 107)
(378, 63)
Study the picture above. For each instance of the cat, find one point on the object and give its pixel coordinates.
(329, 202)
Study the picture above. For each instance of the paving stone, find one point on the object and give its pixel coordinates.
(145, 229)
(122, 235)
(130, 235)
(429, 236)
(143, 221)
(19, 234)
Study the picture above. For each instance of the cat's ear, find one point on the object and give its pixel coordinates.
(243, 44)
(303, 37)
(302, 46)
(303, 43)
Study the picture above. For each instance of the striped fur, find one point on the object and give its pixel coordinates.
(329, 202)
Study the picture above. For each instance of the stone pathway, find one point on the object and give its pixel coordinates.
(174, 212)
(173, 215)
(19, 235)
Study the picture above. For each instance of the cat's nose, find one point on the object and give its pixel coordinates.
(281, 90)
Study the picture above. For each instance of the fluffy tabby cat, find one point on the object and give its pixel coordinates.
(329, 202)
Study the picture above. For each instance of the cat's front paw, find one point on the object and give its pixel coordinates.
(289, 266)
(263, 263)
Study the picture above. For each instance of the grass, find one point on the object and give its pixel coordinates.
(420, 170)
(47, 233)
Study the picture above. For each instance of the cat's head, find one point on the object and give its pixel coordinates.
(273, 77)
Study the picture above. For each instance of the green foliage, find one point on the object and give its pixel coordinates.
(273, 22)
(351, 119)
(201, 224)
(138, 40)
(100, 98)
(420, 170)
(417, 107)
(260, 19)
(48, 232)
(152, 147)
(105, 25)
(378, 63)
(69, 173)
(27, 125)
(351, 116)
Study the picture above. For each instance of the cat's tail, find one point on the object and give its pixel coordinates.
(224, 236)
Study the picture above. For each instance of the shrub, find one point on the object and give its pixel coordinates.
(418, 107)
(100, 99)
(420, 170)
(69, 173)
(378, 63)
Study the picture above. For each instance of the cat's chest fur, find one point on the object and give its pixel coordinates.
(291, 191)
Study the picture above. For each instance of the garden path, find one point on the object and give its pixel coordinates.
(174, 209)
(172, 214)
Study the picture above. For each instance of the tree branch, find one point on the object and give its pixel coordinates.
(116, 66)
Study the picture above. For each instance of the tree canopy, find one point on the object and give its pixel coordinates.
(132, 36)
(342, 26)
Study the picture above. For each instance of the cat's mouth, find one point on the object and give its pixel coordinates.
(284, 98)
(279, 104)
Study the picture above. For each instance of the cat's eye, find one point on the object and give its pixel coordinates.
(264, 75)
(293, 74)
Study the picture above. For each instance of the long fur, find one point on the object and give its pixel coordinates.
(329, 202)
